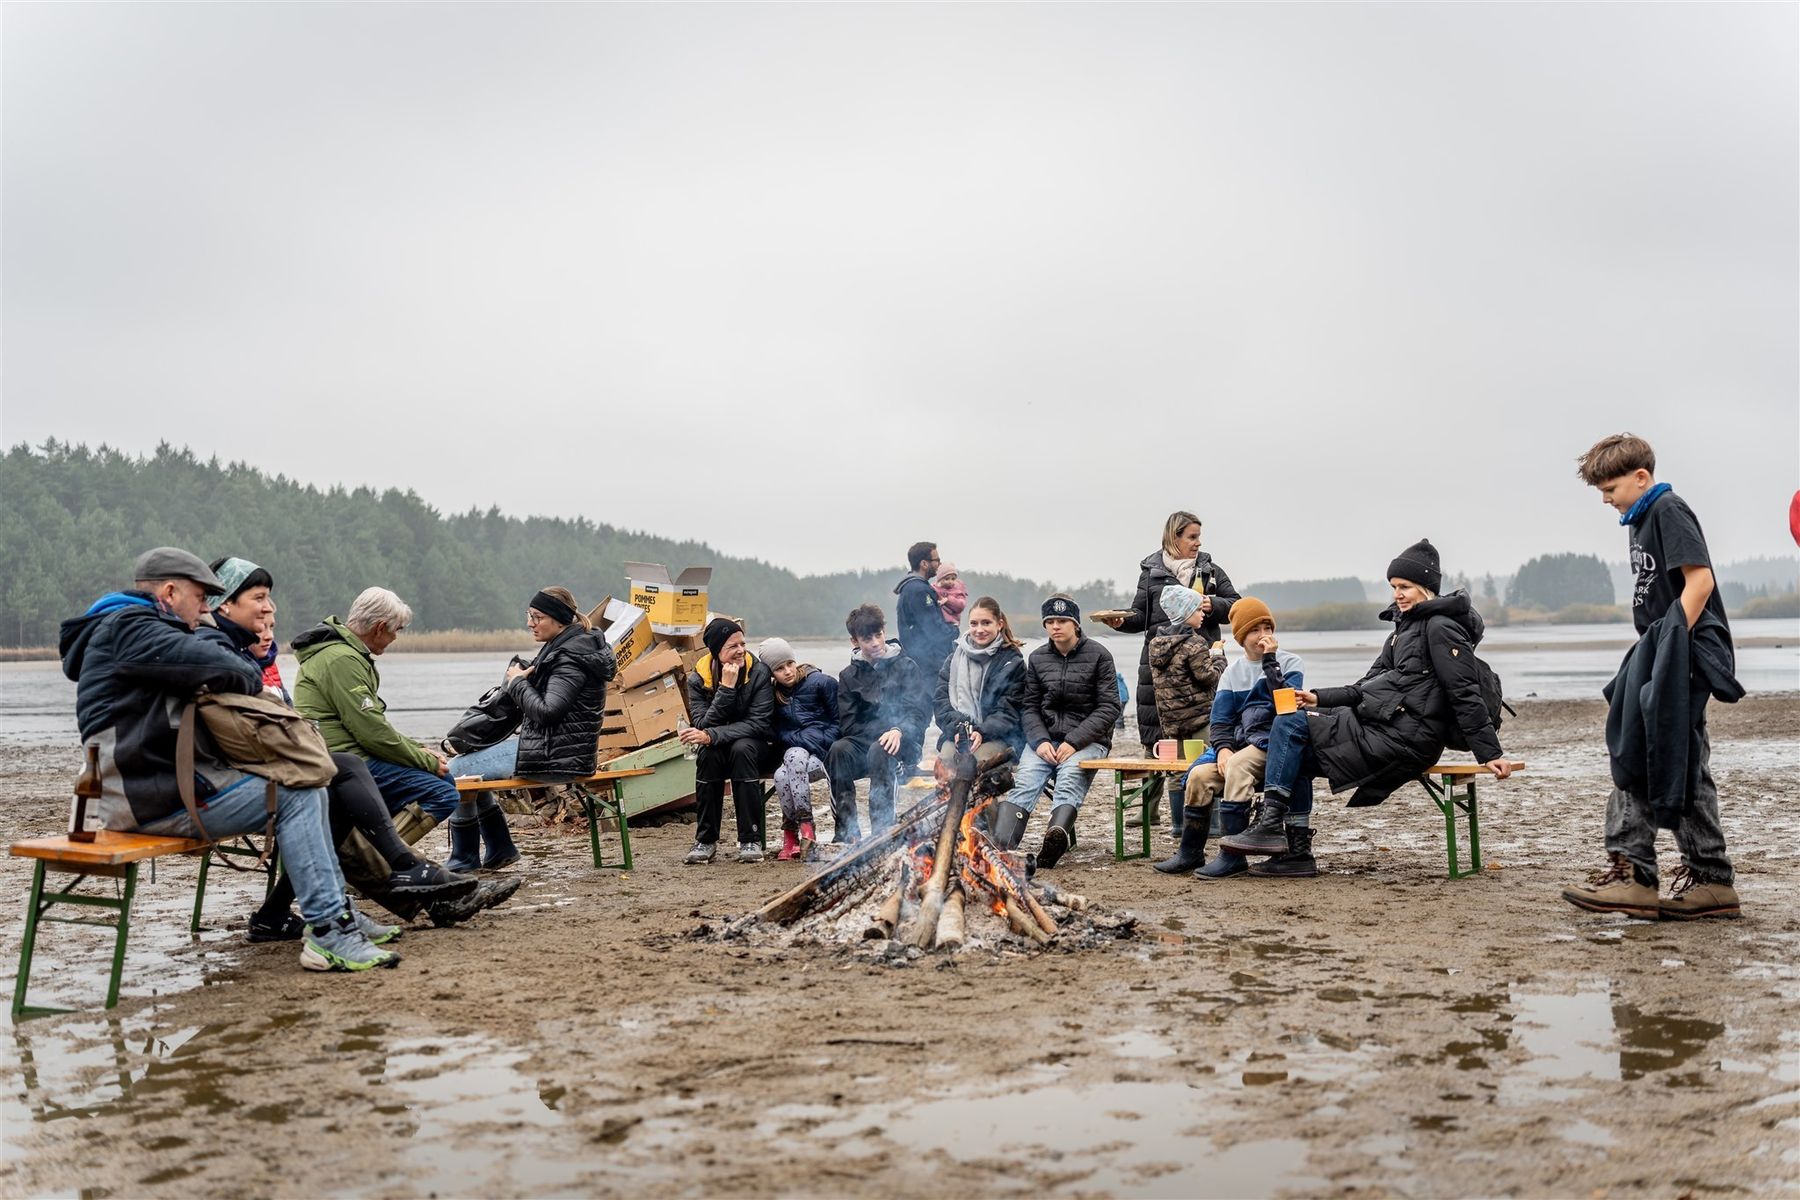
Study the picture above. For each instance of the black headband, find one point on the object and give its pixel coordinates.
(553, 608)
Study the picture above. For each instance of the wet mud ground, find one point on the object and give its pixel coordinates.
(1378, 1031)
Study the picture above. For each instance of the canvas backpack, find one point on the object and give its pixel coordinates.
(258, 735)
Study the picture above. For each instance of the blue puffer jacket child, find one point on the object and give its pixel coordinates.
(807, 717)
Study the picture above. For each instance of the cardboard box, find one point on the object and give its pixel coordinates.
(640, 715)
(625, 627)
(676, 604)
(683, 643)
(660, 660)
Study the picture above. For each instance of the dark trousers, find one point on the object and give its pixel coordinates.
(848, 760)
(1292, 765)
(1631, 827)
(739, 763)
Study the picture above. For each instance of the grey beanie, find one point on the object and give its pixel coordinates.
(774, 652)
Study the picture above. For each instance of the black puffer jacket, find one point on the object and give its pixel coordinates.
(561, 702)
(1381, 732)
(1147, 617)
(744, 710)
(883, 694)
(1071, 698)
(1002, 689)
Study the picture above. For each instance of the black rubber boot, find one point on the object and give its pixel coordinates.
(1297, 862)
(1059, 839)
(1009, 825)
(500, 849)
(465, 846)
(1267, 836)
(1153, 796)
(1232, 819)
(1197, 823)
(1177, 818)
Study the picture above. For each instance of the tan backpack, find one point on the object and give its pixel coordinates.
(259, 735)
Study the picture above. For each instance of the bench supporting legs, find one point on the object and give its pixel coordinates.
(38, 909)
(614, 805)
(1450, 797)
(1127, 792)
(247, 850)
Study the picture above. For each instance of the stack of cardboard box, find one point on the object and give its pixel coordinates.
(656, 639)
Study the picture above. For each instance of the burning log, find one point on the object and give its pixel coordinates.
(950, 927)
(931, 903)
(887, 918)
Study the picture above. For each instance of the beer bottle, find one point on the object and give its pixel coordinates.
(87, 798)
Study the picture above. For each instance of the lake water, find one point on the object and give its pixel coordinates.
(427, 692)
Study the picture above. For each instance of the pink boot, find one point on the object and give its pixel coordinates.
(807, 838)
(790, 847)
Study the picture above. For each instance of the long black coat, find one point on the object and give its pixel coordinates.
(560, 705)
(1147, 617)
(1383, 731)
(1071, 698)
(1002, 689)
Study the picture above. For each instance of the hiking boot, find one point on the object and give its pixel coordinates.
(465, 846)
(377, 933)
(1197, 823)
(287, 927)
(1267, 836)
(428, 881)
(790, 846)
(1009, 824)
(1233, 818)
(749, 852)
(1059, 839)
(487, 894)
(809, 839)
(1617, 889)
(1691, 897)
(700, 855)
(494, 831)
(341, 946)
(1296, 862)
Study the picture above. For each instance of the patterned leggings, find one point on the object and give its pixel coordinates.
(793, 779)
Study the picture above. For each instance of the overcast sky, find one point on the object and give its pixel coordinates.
(812, 282)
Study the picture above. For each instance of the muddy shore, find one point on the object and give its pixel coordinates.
(1378, 1031)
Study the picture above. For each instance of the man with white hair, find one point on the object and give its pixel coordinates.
(339, 687)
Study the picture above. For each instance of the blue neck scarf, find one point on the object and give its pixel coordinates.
(1636, 512)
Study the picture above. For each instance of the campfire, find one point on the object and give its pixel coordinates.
(936, 880)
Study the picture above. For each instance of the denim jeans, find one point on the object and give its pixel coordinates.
(1071, 786)
(307, 854)
(1291, 766)
(401, 786)
(1631, 828)
(495, 762)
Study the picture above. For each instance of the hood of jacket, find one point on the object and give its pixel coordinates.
(893, 652)
(1456, 606)
(1166, 642)
(72, 641)
(585, 648)
(325, 633)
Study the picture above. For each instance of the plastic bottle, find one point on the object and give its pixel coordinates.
(688, 749)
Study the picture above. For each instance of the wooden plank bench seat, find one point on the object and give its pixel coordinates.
(111, 855)
(601, 790)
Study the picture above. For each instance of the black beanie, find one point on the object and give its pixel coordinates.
(1419, 563)
(718, 632)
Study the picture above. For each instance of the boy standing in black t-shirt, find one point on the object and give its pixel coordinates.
(1671, 565)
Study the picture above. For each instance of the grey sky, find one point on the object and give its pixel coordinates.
(812, 282)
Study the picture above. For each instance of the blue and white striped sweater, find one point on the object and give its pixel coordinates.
(1243, 708)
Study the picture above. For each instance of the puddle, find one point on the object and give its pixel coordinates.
(1588, 1035)
(1586, 1133)
(1140, 1043)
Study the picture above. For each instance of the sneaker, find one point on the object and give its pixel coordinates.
(749, 852)
(288, 927)
(700, 855)
(341, 946)
(487, 894)
(428, 881)
(1690, 897)
(1617, 889)
(377, 933)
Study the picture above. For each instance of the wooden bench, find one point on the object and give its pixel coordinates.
(589, 789)
(1454, 790)
(1132, 777)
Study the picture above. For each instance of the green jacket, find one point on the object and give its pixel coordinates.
(339, 688)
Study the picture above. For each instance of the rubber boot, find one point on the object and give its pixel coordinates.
(790, 846)
(1153, 794)
(1296, 862)
(1009, 824)
(1177, 819)
(465, 846)
(808, 839)
(1059, 839)
(1267, 836)
(500, 849)
(1192, 852)
(1232, 819)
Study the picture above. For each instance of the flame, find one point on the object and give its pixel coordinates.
(979, 872)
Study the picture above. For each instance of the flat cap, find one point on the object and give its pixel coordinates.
(172, 562)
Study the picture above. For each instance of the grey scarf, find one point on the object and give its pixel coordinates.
(968, 671)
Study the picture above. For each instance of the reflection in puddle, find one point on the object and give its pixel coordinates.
(1589, 1035)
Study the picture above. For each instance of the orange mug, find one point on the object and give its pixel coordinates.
(1168, 750)
(1286, 701)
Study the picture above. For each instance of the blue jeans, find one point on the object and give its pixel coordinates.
(1071, 786)
(496, 762)
(1292, 766)
(307, 854)
(401, 786)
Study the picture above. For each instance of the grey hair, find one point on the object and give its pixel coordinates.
(378, 606)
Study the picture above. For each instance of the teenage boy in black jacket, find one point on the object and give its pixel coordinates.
(881, 704)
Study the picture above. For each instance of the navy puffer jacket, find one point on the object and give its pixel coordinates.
(808, 718)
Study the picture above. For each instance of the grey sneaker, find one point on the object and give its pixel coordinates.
(700, 855)
(749, 852)
(377, 933)
(340, 946)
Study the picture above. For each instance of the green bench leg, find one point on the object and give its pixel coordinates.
(614, 804)
(1127, 793)
(1450, 799)
(118, 963)
(31, 924)
(40, 904)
